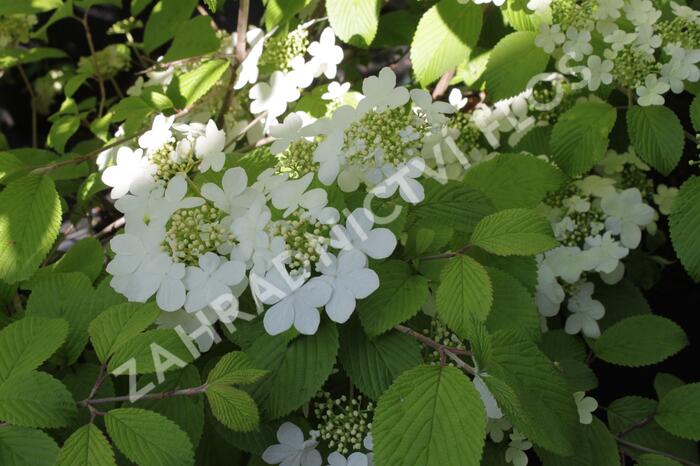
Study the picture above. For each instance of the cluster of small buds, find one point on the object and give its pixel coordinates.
(15, 29)
(582, 225)
(194, 232)
(281, 49)
(632, 66)
(441, 334)
(469, 134)
(576, 13)
(46, 88)
(343, 422)
(393, 136)
(556, 199)
(298, 159)
(108, 62)
(543, 94)
(305, 240)
(634, 177)
(681, 31)
(173, 158)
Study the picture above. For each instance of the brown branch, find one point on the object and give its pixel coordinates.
(447, 255)
(636, 446)
(32, 95)
(441, 86)
(98, 74)
(149, 396)
(443, 350)
(241, 29)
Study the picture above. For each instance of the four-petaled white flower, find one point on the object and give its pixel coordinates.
(377, 243)
(549, 37)
(515, 453)
(292, 194)
(292, 450)
(132, 172)
(578, 43)
(248, 70)
(232, 197)
(210, 148)
(651, 93)
(381, 92)
(585, 312)
(402, 177)
(627, 212)
(355, 459)
(287, 132)
(326, 54)
(434, 111)
(603, 253)
(350, 279)
(585, 405)
(273, 96)
(335, 91)
(159, 134)
(596, 72)
(212, 279)
(665, 197)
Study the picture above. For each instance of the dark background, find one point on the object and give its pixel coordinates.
(674, 296)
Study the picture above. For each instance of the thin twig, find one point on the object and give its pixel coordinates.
(111, 228)
(241, 29)
(690, 137)
(442, 85)
(32, 95)
(443, 350)
(636, 446)
(98, 74)
(447, 255)
(149, 396)
(644, 421)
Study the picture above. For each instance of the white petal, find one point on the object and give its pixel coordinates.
(279, 318)
(306, 319)
(171, 295)
(291, 435)
(341, 305)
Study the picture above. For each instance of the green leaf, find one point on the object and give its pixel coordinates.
(536, 397)
(523, 268)
(664, 383)
(684, 223)
(465, 294)
(118, 324)
(650, 459)
(297, 369)
(193, 38)
(20, 446)
(185, 411)
(679, 412)
(69, 296)
(640, 341)
(27, 343)
(557, 345)
(580, 136)
(354, 21)
(374, 363)
(513, 306)
(86, 446)
(233, 407)
(445, 36)
(164, 21)
(595, 446)
(280, 11)
(62, 130)
(396, 28)
(86, 256)
(514, 180)
(28, 6)
(657, 135)
(234, 368)
(452, 204)
(621, 300)
(30, 215)
(633, 410)
(163, 345)
(521, 18)
(148, 438)
(137, 6)
(16, 56)
(399, 297)
(189, 87)
(35, 399)
(695, 113)
(513, 62)
(521, 232)
(430, 416)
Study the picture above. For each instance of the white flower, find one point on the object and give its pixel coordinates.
(549, 293)
(210, 148)
(273, 97)
(328, 152)
(603, 253)
(335, 91)
(157, 204)
(490, 403)
(496, 428)
(434, 111)
(292, 449)
(287, 132)
(381, 92)
(688, 13)
(297, 306)
(301, 73)
(211, 280)
(515, 453)
(456, 100)
(350, 280)
(232, 197)
(619, 39)
(585, 312)
(567, 262)
(652, 91)
(626, 214)
(355, 459)
(680, 67)
(377, 243)
(549, 37)
(646, 41)
(248, 70)
(608, 9)
(597, 72)
(134, 246)
(641, 12)
(597, 185)
(132, 172)
(585, 405)
(250, 230)
(293, 194)
(578, 43)
(665, 197)
(539, 6)
(159, 134)
(326, 55)
(402, 177)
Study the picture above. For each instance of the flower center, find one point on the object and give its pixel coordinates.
(633, 66)
(194, 232)
(279, 50)
(343, 422)
(304, 240)
(174, 158)
(298, 159)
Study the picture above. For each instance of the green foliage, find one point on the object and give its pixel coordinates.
(30, 215)
(192, 85)
(513, 62)
(684, 223)
(679, 411)
(35, 399)
(148, 351)
(398, 299)
(640, 341)
(657, 136)
(580, 136)
(119, 324)
(88, 446)
(595, 446)
(86, 256)
(513, 307)
(444, 38)
(514, 232)
(20, 446)
(148, 438)
(165, 20)
(233, 407)
(650, 459)
(234, 369)
(354, 21)
(193, 38)
(431, 416)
